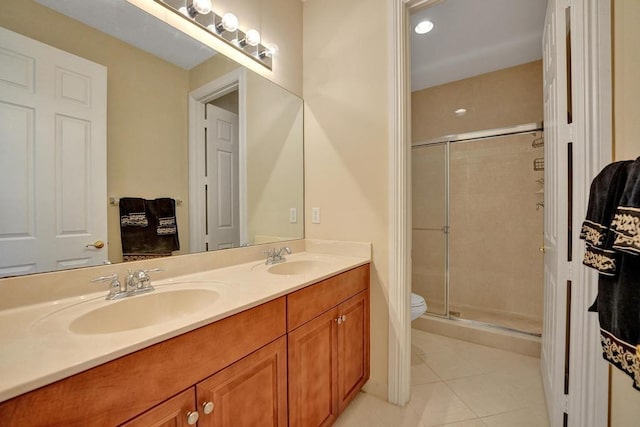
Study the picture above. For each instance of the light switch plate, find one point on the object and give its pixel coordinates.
(293, 215)
(315, 215)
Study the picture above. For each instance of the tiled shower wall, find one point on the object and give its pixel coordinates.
(496, 227)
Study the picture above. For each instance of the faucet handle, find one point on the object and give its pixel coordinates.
(142, 279)
(114, 276)
(115, 288)
(286, 249)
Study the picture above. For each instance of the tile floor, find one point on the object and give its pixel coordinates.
(459, 384)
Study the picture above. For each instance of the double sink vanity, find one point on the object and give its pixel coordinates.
(243, 344)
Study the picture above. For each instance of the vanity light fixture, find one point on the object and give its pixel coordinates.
(197, 7)
(252, 37)
(225, 28)
(229, 22)
(424, 27)
(270, 51)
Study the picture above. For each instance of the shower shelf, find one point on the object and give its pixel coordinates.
(538, 164)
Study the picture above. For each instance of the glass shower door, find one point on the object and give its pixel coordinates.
(430, 225)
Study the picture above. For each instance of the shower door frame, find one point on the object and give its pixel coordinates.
(468, 137)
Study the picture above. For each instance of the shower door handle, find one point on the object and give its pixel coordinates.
(445, 229)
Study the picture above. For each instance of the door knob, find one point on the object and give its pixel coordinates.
(98, 244)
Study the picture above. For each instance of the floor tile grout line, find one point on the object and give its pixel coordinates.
(461, 399)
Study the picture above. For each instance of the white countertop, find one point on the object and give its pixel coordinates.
(38, 348)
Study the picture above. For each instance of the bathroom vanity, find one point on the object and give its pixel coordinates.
(296, 357)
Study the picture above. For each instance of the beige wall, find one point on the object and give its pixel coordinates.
(146, 117)
(625, 401)
(274, 161)
(346, 90)
(502, 98)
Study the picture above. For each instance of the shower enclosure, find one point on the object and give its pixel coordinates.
(478, 226)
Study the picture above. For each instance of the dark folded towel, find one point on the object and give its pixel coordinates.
(148, 226)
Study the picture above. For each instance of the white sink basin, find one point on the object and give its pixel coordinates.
(291, 268)
(143, 310)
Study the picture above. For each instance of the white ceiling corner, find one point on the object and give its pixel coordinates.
(472, 37)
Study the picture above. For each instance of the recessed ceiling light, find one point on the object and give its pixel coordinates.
(424, 27)
(460, 111)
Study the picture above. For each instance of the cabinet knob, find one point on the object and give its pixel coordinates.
(207, 407)
(338, 320)
(192, 417)
(344, 318)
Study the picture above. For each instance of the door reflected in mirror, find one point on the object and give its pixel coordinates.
(170, 132)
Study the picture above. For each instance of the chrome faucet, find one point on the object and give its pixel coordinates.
(136, 282)
(275, 256)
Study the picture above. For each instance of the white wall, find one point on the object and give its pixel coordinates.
(345, 87)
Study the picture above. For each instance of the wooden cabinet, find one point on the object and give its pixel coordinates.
(250, 392)
(329, 354)
(172, 413)
(353, 348)
(313, 372)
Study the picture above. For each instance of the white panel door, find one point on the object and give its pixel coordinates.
(223, 221)
(555, 211)
(52, 158)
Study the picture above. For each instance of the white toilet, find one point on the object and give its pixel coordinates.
(418, 306)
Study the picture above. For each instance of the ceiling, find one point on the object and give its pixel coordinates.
(472, 37)
(135, 27)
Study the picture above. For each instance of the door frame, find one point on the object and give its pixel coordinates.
(593, 134)
(234, 80)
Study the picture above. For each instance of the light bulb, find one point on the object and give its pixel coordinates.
(202, 6)
(272, 50)
(230, 22)
(424, 27)
(252, 37)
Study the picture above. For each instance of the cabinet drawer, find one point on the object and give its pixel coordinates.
(310, 302)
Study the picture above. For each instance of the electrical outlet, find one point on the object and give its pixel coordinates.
(315, 215)
(293, 215)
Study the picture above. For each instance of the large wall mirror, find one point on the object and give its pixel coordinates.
(213, 151)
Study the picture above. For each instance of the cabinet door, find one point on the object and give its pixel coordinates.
(313, 384)
(171, 413)
(251, 392)
(353, 347)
